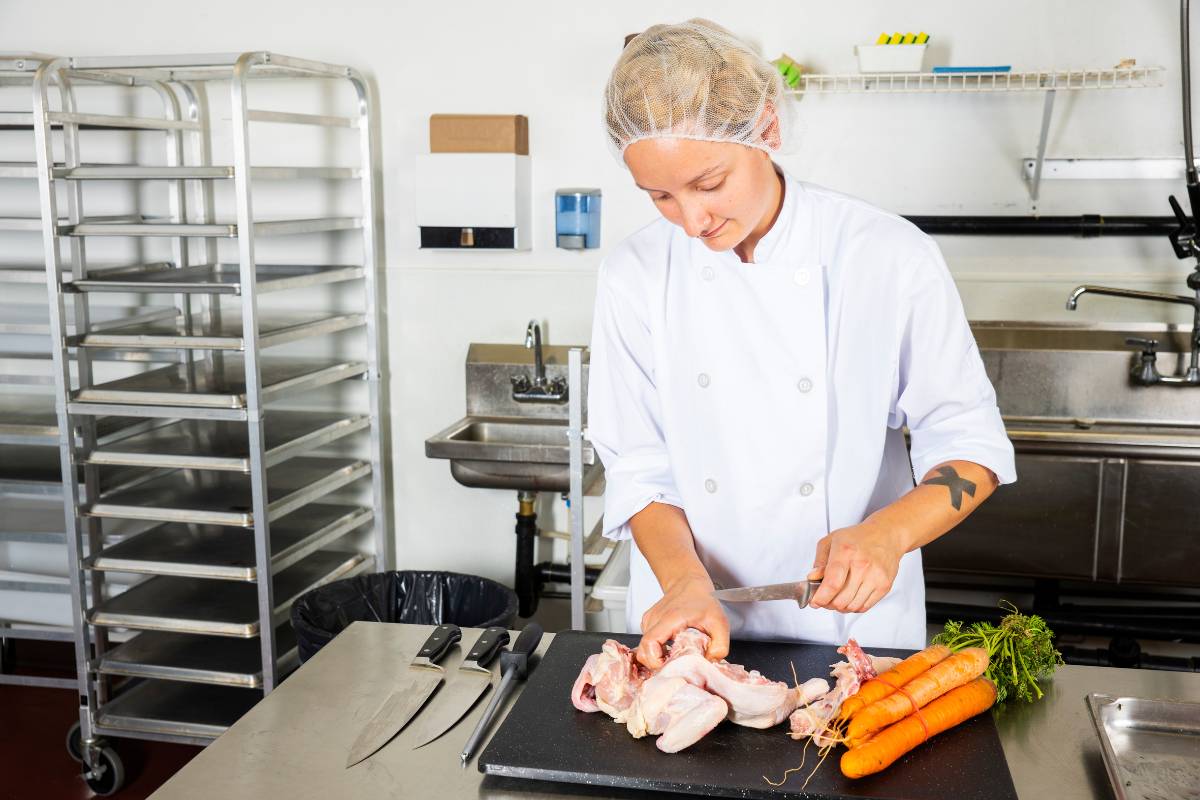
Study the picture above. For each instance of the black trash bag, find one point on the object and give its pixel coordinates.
(423, 598)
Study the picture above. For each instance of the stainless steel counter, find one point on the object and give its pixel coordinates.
(293, 744)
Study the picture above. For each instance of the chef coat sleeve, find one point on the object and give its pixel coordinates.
(624, 414)
(944, 395)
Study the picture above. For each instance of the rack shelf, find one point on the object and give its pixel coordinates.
(216, 279)
(274, 328)
(216, 660)
(211, 230)
(220, 385)
(221, 553)
(176, 711)
(223, 446)
(220, 608)
(223, 498)
(1034, 81)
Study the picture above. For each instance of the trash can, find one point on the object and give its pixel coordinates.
(423, 598)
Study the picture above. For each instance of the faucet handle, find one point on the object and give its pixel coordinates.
(1149, 346)
(1183, 238)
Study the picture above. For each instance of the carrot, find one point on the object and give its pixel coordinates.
(943, 676)
(880, 687)
(941, 714)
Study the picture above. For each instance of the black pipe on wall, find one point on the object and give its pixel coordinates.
(1087, 226)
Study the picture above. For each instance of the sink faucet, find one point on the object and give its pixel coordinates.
(1145, 371)
(539, 390)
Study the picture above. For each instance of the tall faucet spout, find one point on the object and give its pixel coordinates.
(533, 339)
(1133, 294)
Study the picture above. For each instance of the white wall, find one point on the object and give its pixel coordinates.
(937, 154)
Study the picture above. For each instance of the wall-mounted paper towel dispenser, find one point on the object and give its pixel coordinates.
(474, 201)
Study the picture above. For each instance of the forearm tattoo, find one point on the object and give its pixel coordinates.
(955, 483)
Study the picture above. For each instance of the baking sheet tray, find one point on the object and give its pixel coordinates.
(1151, 748)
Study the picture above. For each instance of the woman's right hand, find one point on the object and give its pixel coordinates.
(686, 603)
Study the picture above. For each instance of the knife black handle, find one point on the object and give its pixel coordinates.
(485, 647)
(517, 659)
(439, 642)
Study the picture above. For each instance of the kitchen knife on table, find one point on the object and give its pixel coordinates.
(470, 682)
(422, 678)
(800, 591)
(514, 665)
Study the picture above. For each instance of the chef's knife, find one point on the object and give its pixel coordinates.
(514, 665)
(472, 679)
(423, 678)
(800, 591)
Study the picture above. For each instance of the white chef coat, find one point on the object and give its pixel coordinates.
(767, 400)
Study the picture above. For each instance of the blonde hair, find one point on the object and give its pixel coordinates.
(694, 80)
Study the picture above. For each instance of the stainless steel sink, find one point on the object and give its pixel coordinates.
(503, 443)
(509, 453)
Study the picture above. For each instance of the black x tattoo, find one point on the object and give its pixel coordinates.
(957, 485)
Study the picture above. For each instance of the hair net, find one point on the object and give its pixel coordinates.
(694, 80)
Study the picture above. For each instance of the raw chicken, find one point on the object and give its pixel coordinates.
(813, 720)
(688, 697)
(609, 681)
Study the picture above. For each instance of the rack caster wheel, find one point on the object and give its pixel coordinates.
(108, 774)
(75, 743)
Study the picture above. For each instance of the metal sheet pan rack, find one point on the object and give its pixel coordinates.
(241, 508)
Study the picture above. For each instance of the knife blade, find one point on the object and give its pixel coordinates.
(422, 679)
(470, 682)
(800, 591)
(514, 665)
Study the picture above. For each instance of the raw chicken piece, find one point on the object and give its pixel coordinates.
(609, 681)
(813, 719)
(681, 712)
(688, 697)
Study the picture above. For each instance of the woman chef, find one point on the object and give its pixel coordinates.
(756, 353)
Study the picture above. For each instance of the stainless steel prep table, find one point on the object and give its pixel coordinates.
(293, 744)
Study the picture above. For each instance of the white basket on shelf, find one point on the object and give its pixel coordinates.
(890, 57)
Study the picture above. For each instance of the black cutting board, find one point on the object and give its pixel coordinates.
(545, 738)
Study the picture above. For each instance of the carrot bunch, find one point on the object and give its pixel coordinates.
(922, 696)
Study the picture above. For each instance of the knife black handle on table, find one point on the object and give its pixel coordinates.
(517, 659)
(486, 646)
(439, 642)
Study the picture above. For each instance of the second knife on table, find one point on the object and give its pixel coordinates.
(469, 682)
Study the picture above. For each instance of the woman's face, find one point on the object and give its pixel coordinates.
(720, 192)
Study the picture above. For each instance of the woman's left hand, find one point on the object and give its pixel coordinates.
(856, 567)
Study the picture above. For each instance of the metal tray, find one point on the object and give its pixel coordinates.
(23, 273)
(175, 709)
(198, 659)
(1151, 748)
(216, 445)
(220, 608)
(219, 384)
(31, 320)
(28, 519)
(32, 468)
(219, 230)
(223, 498)
(28, 418)
(217, 552)
(216, 278)
(274, 328)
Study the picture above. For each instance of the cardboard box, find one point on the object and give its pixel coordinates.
(479, 133)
